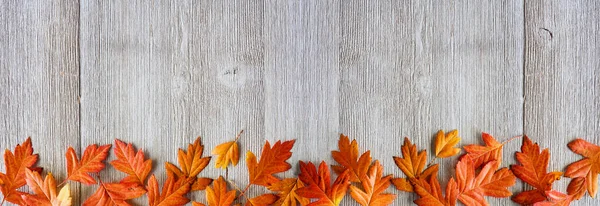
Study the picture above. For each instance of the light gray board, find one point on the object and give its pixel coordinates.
(159, 75)
(562, 71)
(412, 68)
(39, 79)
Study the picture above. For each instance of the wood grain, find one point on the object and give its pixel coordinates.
(562, 73)
(39, 79)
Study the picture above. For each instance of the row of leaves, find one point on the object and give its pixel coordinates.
(478, 174)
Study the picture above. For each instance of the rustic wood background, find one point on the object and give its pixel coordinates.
(160, 73)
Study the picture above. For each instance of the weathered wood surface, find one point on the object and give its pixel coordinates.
(159, 74)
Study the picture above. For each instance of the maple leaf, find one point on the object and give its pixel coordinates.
(575, 191)
(227, 152)
(191, 163)
(319, 184)
(481, 154)
(412, 164)
(109, 194)
(348, 158)
(16, 164)
(272, 160)
(131, 163)
(588, 167)
(173, 192)
(533, 171)
(488, 182)
(374, 184)
(444, 144)
(262, 200)
(430, 191)
(45, 191)
(91, 162)
(286, 189)
(218, 194)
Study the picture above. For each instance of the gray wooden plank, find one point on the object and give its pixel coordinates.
(410, 68)
(160, 74)
(562, 73)
(39, 79)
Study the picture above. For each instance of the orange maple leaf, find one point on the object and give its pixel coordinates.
(412, 164)
(575, 191)
(286, 190)
(430, 191)
(191, 163)
(348, 158)
(109, 194)
(374, 184)
(45, 191)
(173, 192)
(318, 184)
(272, 160)
(16, 164)
(227, 152)
(488, 182)
(444, 144)
(262, 200)
(481, 154)
(91, 162)
(218, 195)
(533, 171)
(131, 163)
(588, 167)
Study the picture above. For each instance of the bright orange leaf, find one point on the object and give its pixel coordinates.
(318, 184)
(488, 182)
(374, 184)
(412, 164)
(430, 191)
(16, 165)
(227, 152)
(445, 144)
(286, 190)
(173, 193)
(45, 191)
(588, 167)
(533, 171)
(109, 194)
(575, 191)
(272, 160)
(91, 162)
(218, 195)
(481, 154)
(131, 163)
(191, 163)
(262, 200)
(348, 158)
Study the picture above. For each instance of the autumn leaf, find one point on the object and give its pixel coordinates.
(286, 190)
(218, 195)
(444, 144)
(191, 163)
(45, 191)
(131, 163)
(318, 184)
(348, 158)
(272, 160)
(15, 177)
(588, 167)
(173, 192)
(109, 194)
(412, 164)
(481, 154)
(91, 162)
(533, 171)
(374, 184)
(227, 152)
(575, 191)
(488, 182)
(430, 191)
(262, 200)
(197, 204)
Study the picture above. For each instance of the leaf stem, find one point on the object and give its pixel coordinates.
(3, 199)
(245, 190)
(238, 136)
(432, 161)
(511, 139)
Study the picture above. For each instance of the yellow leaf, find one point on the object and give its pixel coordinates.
(444, 144)
(227, 152)
(64, 196)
